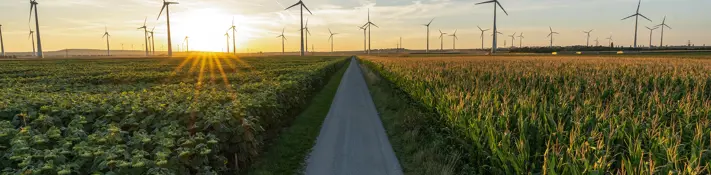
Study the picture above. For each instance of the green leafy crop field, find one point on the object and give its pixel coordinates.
(566, 115)
(205, 114)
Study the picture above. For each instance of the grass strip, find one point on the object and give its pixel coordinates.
(421, 145)
(288, 152)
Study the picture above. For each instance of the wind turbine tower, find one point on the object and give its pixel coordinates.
(106, 34)
(587, 41)
(513, 38)
(145, 34)
(454, 40)
(651, 30)
(636, 21)
(33, 5)
(153, 42)
(496, 3)
(282, 40)
(551, 35)
(187, 44)
(302, 6)
(482, 36)
(228, 42)
(662, 25)
(368, 24)
(32, 37)
(167, 17)
(428, 34)
(331, 38)
(2, 44)
(234, 37)
(441, 40)
(365, 37)
(520, 40)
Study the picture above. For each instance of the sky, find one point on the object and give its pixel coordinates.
(80, 24)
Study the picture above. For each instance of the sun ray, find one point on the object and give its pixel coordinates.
(211, 64)
(222, 73)
(195, 63)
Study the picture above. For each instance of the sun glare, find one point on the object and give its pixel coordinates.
(206, 30)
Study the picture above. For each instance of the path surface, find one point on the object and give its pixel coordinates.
(352, 139)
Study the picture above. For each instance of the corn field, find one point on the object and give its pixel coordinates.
(566, 115)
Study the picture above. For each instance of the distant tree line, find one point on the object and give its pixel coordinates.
(596, 48)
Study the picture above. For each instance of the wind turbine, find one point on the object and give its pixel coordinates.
(587, 42)
(33, 5)
(282, 40)
(454, 40)
(187, 44)
(153, 42)
(428, 34)
(441, 40)
(302, 6)
(551, 35)
(609, 40)
(498, 33)
(520, 40)
(106, 34)
(331, 38)
(306, 37)
(228, 41)
(663, 24)
(367, 25)
(2, 44)
(513, 38)
(365, 38)
(597, 42)
(636, 20)
(650, 35)
(145, 34)
(31, 36)
(482, 36)
(167, 17)
(234, 36)
(496, 3)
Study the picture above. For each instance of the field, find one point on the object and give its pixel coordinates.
(564, 114)
(205, 114)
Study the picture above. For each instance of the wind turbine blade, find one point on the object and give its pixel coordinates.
(329, 31)
(549, 27)
(31, 6)
(485, 2)
(161, 11)
(639, 4)
(667, 26)
(430, 22)
(233, 21)
(144, 22)
(502, 8)
(307, 9)
(628, 17)
(549, 35)
(298, 3)
(374, 25)
(479, 28)
(645, 17)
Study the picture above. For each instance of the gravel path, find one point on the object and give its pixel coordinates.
(352, 140)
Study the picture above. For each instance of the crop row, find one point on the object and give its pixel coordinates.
(200, 115)
(556, 115)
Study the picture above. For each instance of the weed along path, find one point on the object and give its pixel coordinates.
(352, 139)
